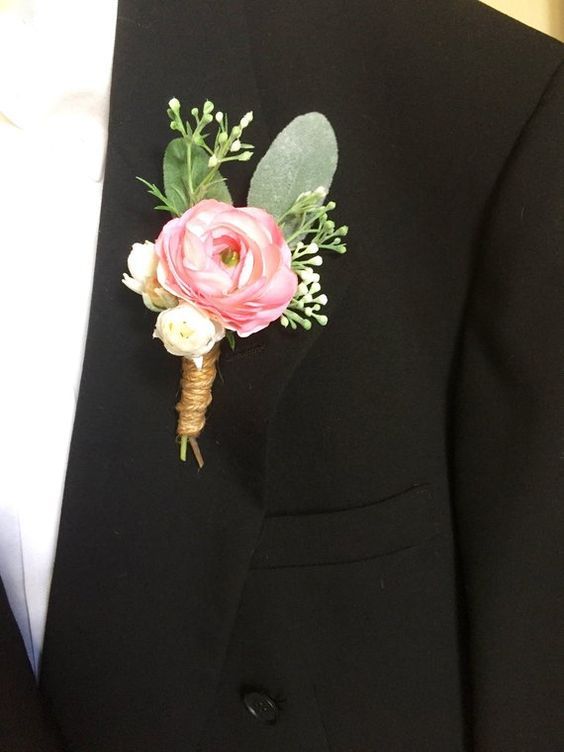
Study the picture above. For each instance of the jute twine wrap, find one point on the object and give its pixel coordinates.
(195, 396)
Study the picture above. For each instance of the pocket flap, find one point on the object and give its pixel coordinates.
(348, 535)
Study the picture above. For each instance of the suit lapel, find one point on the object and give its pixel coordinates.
(152, 554)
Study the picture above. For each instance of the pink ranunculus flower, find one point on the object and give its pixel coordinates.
(232, 262)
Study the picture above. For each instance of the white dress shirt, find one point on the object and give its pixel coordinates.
(56, 61)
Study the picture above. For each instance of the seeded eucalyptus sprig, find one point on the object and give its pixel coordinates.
(191, 165)
(308, 229)
(308, 217)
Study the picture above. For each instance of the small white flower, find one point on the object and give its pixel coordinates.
(213, 161)
(308, 275)
(188, 331)
(236, 145)
(142, 264)
(219, 116)
(246, 119)
(174, 104)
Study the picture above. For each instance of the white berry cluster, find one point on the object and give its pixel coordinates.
(308, 231)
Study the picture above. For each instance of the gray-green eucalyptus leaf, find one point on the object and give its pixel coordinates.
(302, 157)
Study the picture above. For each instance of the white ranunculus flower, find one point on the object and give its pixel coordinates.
(188, 331)
(142, 278)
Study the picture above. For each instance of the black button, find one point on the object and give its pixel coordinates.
(261, 706)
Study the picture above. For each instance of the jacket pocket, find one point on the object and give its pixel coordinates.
(381, 527)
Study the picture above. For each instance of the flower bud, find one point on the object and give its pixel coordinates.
(308, 275)
(142, 264)
(315, 261)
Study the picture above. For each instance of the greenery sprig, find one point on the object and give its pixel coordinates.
(307, 228)
(192, 162)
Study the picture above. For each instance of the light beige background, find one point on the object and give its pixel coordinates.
(545, 15)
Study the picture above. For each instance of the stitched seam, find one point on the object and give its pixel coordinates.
(321, 718)
(499, 181)
(338, 562)
(340, 510)
(456, 361)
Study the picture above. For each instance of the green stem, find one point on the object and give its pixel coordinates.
(305, 228)
(189, 161)
(183, 447)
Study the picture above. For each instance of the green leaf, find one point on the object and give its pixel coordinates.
(176, 175)
(230, 337)
(154, 191)
(302, 157)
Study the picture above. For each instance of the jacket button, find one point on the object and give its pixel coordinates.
(261, 706)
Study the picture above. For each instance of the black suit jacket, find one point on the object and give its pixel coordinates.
(372, 557)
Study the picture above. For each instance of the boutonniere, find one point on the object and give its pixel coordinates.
(217, 271)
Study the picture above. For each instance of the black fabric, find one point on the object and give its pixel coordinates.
(25, 722)
(508, 458)
(375, 541)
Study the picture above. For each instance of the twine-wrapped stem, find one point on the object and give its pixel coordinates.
(195, 396)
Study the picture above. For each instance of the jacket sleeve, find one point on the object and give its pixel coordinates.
(508, 440)
(24, 722)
